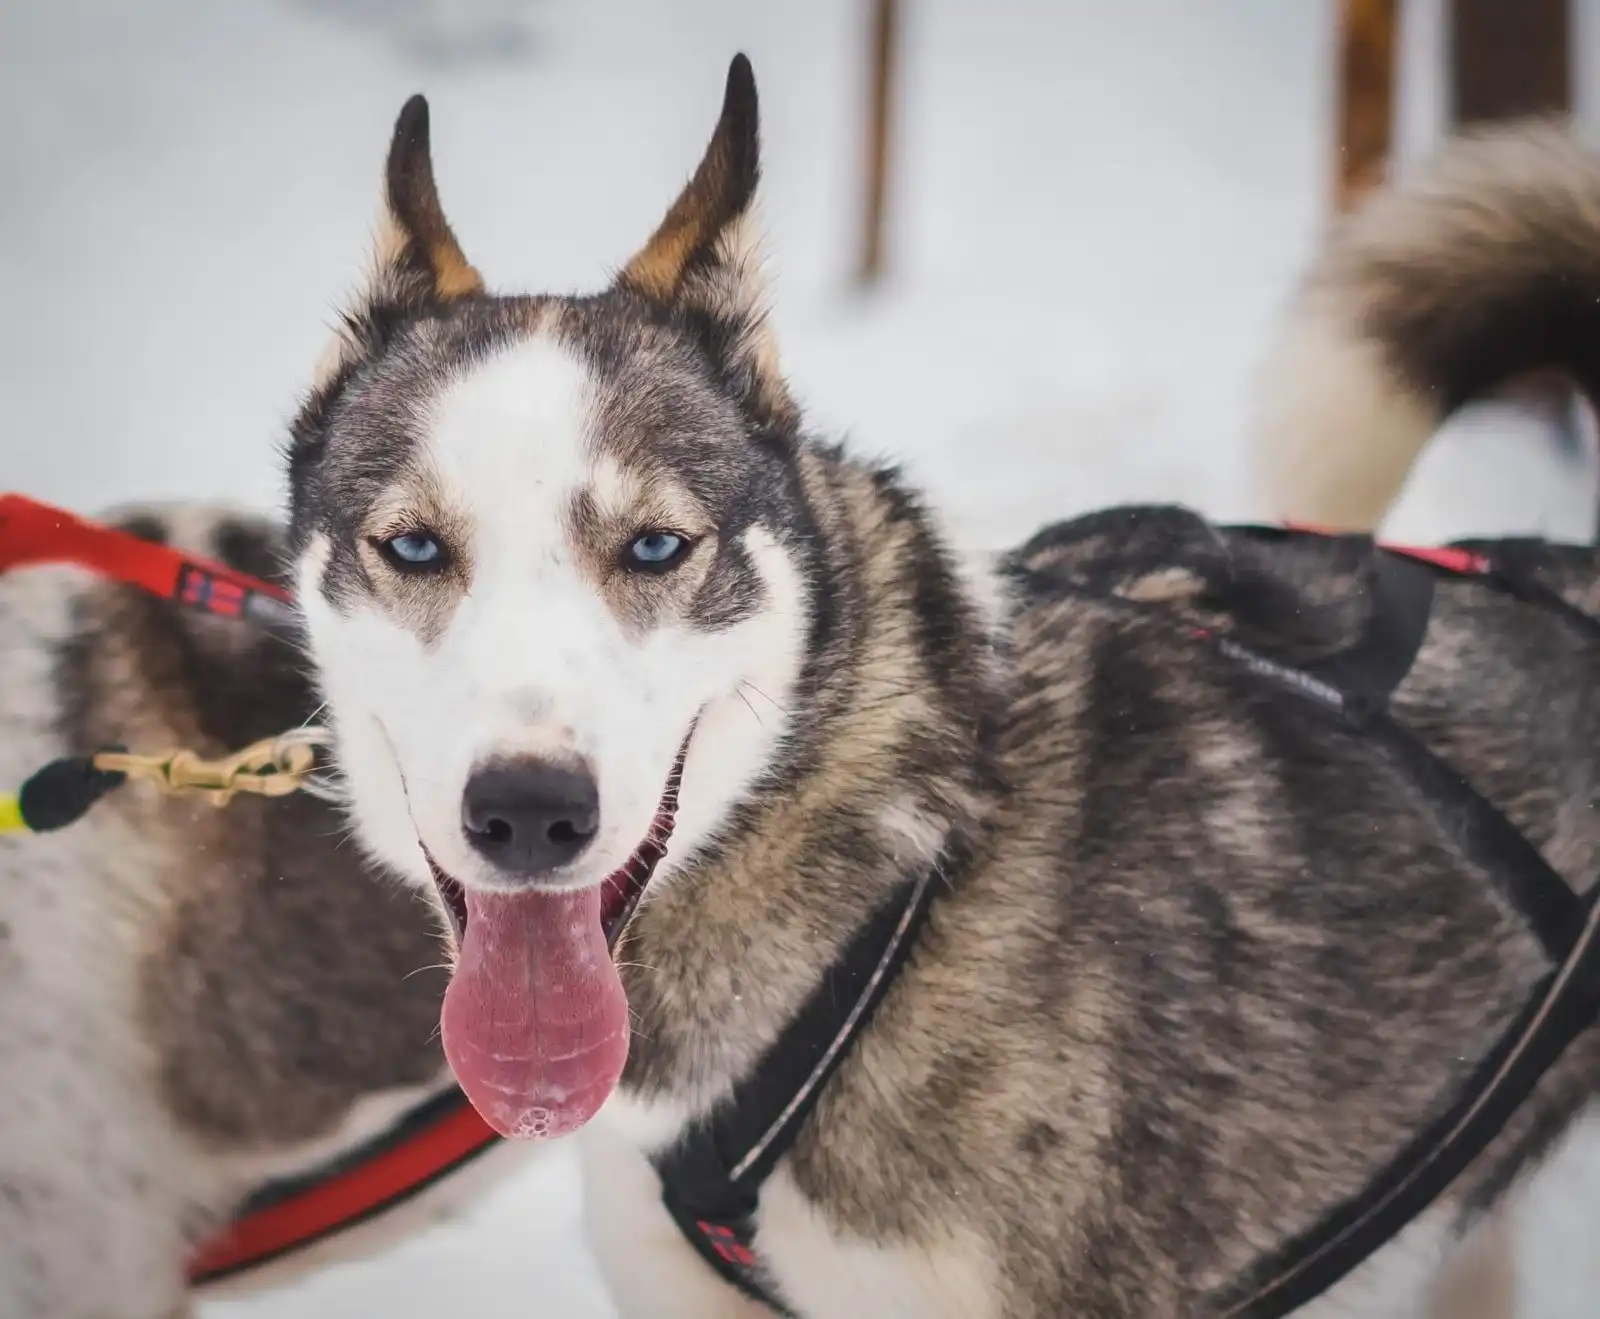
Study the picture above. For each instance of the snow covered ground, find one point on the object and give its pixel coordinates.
(1098, 210)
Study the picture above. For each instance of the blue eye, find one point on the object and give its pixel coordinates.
(656, 549)
(415, 549)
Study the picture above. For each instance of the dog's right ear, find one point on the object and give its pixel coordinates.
(416, 262)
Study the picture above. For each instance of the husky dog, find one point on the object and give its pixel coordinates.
(1482, 268)
(580, 586)
(192, 1001)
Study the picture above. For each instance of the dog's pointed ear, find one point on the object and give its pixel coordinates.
(415, 245)
(704, 257)
(693, 238)
(415, 240)
(416, 263)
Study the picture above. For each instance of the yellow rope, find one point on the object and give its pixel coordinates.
(11, 821)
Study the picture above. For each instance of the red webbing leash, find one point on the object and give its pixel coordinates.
(34, 534)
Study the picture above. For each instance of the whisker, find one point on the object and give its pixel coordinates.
(750, 707)
(774, 704)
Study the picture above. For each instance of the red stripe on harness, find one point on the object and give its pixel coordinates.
(1466, 563)
(32, 534)
(346, 1198)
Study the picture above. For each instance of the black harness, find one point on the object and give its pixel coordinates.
(712, 1177)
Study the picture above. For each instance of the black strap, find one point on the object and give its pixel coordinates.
(1510, 574)
(1367, 672)
(711, 1178)
(1489, 841)
(1355, 685)
(1564, 1005)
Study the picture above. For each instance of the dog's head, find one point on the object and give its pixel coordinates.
(549, 554)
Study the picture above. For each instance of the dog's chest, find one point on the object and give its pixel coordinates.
(821, 1272)
(824, 1274)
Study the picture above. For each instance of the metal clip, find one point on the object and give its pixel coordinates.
(272, 767)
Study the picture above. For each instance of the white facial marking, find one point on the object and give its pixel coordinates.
(533, 661)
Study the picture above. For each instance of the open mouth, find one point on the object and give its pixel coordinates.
(535, 1020)
(623, 888)
(620, 891)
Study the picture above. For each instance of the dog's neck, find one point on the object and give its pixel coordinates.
(888, 750)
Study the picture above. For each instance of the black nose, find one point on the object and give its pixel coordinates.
(530, 816)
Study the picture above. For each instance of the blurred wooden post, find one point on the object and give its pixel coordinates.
(880, 111)
(1366, 92)
(1509, 59)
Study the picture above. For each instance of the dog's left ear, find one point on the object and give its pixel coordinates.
(704, 258)
(416, 262)
(416, 250)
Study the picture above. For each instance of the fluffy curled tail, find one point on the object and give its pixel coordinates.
(1482, 267)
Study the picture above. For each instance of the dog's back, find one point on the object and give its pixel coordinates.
(190, 999)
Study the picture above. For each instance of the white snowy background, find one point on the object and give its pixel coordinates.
(1098, 209)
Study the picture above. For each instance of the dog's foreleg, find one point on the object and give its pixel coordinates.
(1479, 1281)
(650, 1271)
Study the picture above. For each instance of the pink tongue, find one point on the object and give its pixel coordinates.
(535, 1022)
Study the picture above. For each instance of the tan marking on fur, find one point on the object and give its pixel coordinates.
(422, 603)
(706, 255)
(614, 487)
(696, 222)
(1168, 585)
(908, 830)
(658, 267)
(600, 532)
(454, 275)
(1240, 819)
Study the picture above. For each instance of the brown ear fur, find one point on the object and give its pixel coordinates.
(703, 257)
(416, 261)
(716, 198)
(417, 237)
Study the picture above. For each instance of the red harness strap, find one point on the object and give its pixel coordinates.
(436, 1138)
(434, 1141)
(1464, 563)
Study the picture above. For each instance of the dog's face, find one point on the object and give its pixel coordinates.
(549, 558)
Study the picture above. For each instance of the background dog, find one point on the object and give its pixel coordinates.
(1207, 964)
(192, 1000)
